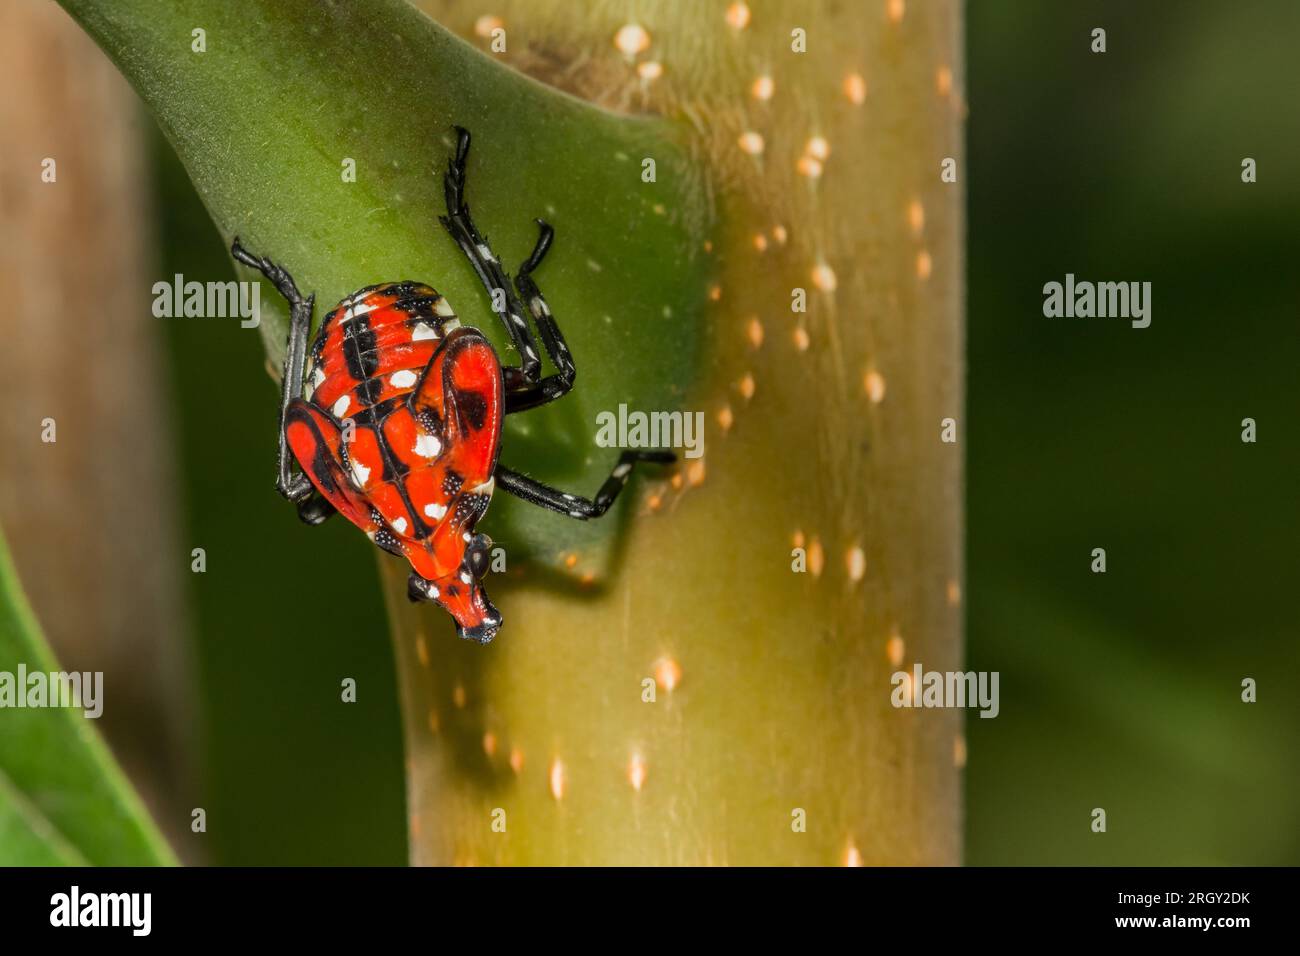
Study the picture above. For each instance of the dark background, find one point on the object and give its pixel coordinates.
(1122, 690)
(1119, 691)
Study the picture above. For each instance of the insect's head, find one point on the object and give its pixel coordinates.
(462, 594)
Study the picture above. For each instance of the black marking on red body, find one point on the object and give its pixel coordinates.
(359, 352)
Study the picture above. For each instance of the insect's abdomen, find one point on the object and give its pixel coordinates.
(373, 346)
(424, 397)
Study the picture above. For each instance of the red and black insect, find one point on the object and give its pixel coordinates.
(398, 423)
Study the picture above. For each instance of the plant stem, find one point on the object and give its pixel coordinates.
(772, 687)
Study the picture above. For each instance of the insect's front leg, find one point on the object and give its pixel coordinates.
(294, 486)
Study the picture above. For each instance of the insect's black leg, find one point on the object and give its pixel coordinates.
(553, 386)
(488, 267)
(544, 496)
(294, 486)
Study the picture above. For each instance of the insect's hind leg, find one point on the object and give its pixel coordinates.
(487, 266)
(293, 486)
(544, 496)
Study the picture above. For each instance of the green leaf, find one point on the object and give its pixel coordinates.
(287, 91)
(63, 800)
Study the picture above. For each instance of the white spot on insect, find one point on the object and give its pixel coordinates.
(484, 488)
(399, 525)
(528, 350)
(427, 446)
(622, 470)
(360, 472)
(485, 252)
(433, 590)
(360, 308)
(443, 307)
(341, 406)
(576, 514)
(423, 331)
(403, 379)
(464, 576)
(317, 375)
(540, 305)
(568, 497)
(435, 511)
(517, 320)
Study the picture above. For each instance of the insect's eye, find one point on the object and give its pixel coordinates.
(477, 554)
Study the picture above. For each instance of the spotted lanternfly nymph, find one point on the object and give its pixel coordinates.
(425, 397)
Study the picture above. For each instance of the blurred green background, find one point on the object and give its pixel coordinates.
(1122, 690)
(1119, 690)
(290, 775)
